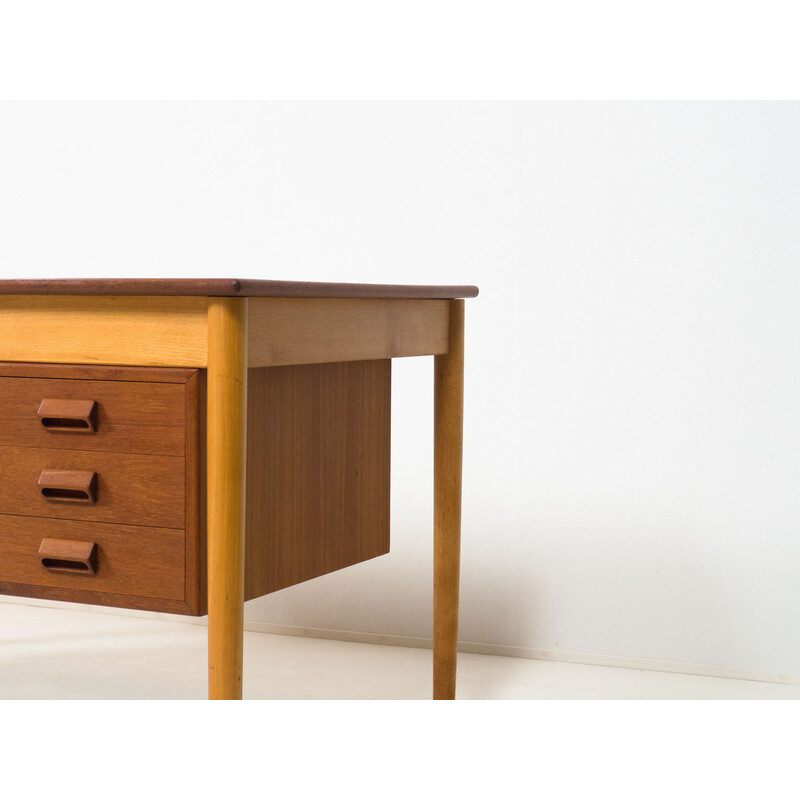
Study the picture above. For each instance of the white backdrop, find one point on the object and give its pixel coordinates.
(632, 420)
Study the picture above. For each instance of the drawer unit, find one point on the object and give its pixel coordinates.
(102, 480)
(100, 485)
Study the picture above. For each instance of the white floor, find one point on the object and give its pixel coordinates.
(54, 653)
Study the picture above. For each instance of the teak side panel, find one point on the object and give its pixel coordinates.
(315, 331)
(131, 489)
(131, 417)
(67, 329)
(196, 584)
(318, 462)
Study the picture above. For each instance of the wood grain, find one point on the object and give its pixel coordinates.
(225, 465)
(131, 489)
(143, 331)
(447, 457)
(15, 369)
(140, 562)
(318, 463)
(130, 417)
(228, 287)
(314, 331)
(196, 580)
(96, 598)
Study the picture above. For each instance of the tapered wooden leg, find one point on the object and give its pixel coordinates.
(227, 428)
(448, 426)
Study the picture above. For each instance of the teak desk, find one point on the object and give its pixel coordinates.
(185, 445)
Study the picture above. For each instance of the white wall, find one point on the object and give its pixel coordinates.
(632, 450)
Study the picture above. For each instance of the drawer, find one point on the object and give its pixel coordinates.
(127, 488)
(126, 560)
(109, 416)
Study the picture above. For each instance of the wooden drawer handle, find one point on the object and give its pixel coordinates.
(68, 416)
(68, 485)
(65, 555)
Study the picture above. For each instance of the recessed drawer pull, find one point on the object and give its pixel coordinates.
(66, 555)
(69, 486)
(68, 416)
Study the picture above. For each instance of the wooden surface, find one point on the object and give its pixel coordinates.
(95, 597)
(68, 555)
(61, 415)
(131, 417)
(68, 485)
(317, 471)
(197, 324)
(132, 489)
(227, 287)
(142, 331)
(173, 331)
(447, 453)
(196, 578)
(135, 561)
(139, 494)
(14, 369)
(314, 331)
(225, 465)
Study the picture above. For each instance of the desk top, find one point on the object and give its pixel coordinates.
(229, 287)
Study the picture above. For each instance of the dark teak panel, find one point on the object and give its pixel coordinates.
(317, 470)
(196, 584)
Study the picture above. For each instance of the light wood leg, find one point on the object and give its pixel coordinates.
(227, 428)
(448, 426)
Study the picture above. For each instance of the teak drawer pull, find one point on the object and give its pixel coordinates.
(68, 416)
(68, 485)
(65, 555)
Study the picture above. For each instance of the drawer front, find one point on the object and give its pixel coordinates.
(118, 416)
(126, 560)
(122, 488)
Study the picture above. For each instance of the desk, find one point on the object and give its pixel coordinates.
(130, 476)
